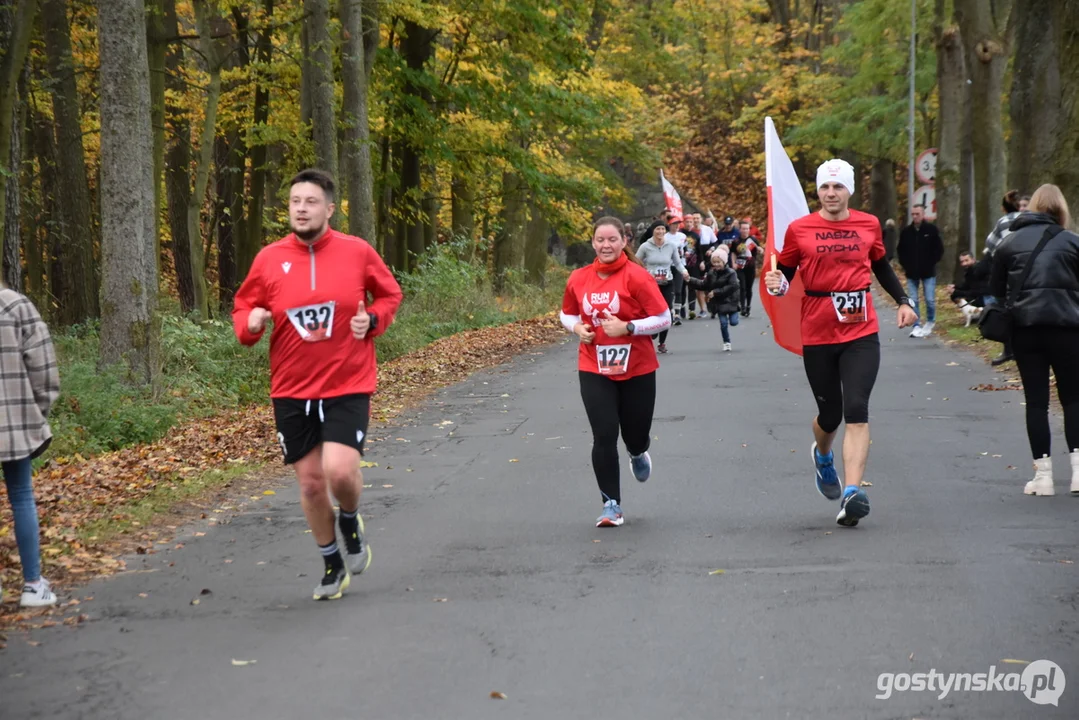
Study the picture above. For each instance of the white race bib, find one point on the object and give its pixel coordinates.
(314, 323)
(661, 275)
(850, 306)
(613, 359)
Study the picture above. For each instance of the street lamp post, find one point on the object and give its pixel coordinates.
(910, 128)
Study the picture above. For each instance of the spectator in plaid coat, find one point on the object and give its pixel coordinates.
(29, 383)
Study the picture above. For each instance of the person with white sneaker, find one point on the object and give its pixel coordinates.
(920, 249)
(614, 306)
(1036, 276)
(29, 384)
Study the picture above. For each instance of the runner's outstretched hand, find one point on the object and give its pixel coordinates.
(361, 323)
(581, 330)
(612, 326)
(257, 319)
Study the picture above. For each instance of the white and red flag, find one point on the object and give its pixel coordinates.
(786, 203)
(674, 200)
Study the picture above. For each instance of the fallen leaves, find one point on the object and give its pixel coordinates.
(717, 572)
(242, 663)
(495, 695)
(990, 387)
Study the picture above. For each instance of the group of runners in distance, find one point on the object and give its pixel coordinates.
(327, 296)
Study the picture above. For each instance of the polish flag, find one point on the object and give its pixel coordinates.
(786, 203)
(674, 201)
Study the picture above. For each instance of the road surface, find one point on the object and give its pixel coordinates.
(489, 576)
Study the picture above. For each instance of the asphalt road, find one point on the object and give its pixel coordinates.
(489, 576)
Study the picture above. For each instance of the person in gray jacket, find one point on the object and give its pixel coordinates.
(29, 384)
(658, 257)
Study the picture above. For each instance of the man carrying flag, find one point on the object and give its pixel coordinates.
(835, 253)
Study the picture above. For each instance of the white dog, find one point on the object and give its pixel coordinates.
(971, 312)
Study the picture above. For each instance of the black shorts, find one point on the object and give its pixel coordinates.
(842, 377)
(303, 425)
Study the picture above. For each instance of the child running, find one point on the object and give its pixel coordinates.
(721, 284)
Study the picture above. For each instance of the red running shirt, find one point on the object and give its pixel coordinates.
(834, 257)
(313, 292)
(630, 294)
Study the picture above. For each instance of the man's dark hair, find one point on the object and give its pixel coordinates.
(318, 177)
(920, 206)
(966, 253)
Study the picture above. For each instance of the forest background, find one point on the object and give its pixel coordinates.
(147, 146)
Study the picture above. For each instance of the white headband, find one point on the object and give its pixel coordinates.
(838, 171)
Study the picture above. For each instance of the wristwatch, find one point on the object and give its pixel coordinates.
(374, 321)
(630, 328)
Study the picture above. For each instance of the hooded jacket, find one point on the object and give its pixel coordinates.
(726, 286)
(1050, 296)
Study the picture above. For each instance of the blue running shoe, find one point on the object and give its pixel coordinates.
(641, 465)
(855, 507)
(828, 483)
(612, 515)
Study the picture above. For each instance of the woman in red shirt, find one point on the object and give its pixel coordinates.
(614, 306)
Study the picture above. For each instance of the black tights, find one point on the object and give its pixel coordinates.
(842, 377)
(746, 276)
(612, 405)
(1037, 349)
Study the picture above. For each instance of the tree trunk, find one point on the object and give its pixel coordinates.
(319, 61)
(12, 263)
(130, 326)
(202, 166)
(17, 45)
(157, 47)
(228, 161)
(1035, 96)
(1065, 170)
(509, 243)
(463, 206)
(882, 196)
(537, 234)
(429, 212)
(987, 60)
(357, 156)
(178, 167)
(256, 201)
(952, 90)
(42, 268)
(81, 299)
(417, 47)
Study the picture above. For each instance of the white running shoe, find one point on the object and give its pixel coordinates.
(1075, 472)
(726, 347)
(1042, 484)
(37, 594)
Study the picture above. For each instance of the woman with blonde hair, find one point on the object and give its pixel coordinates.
(1036, 275)
(29, 383)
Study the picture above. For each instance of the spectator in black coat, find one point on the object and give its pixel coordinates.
(1045, 318)
(975, 286)
(920, 249)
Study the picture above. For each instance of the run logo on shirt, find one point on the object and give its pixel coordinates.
(593, 305)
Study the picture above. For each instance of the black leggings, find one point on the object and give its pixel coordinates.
(745, 277)
(612, 405)
(842, 377)
(1036, 350)
(667, 291)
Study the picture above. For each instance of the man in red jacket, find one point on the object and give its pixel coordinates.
(328, 296)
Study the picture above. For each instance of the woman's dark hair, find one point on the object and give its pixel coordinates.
(1011, 201)
(610, 221)
(318, 177)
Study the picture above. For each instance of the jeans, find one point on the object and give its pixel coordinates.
(929, 289)
(21, 494)
(726, 319)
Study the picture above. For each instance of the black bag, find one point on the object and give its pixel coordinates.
(997, 323)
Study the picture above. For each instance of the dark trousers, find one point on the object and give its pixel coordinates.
(613, 406)
(1037, 350)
